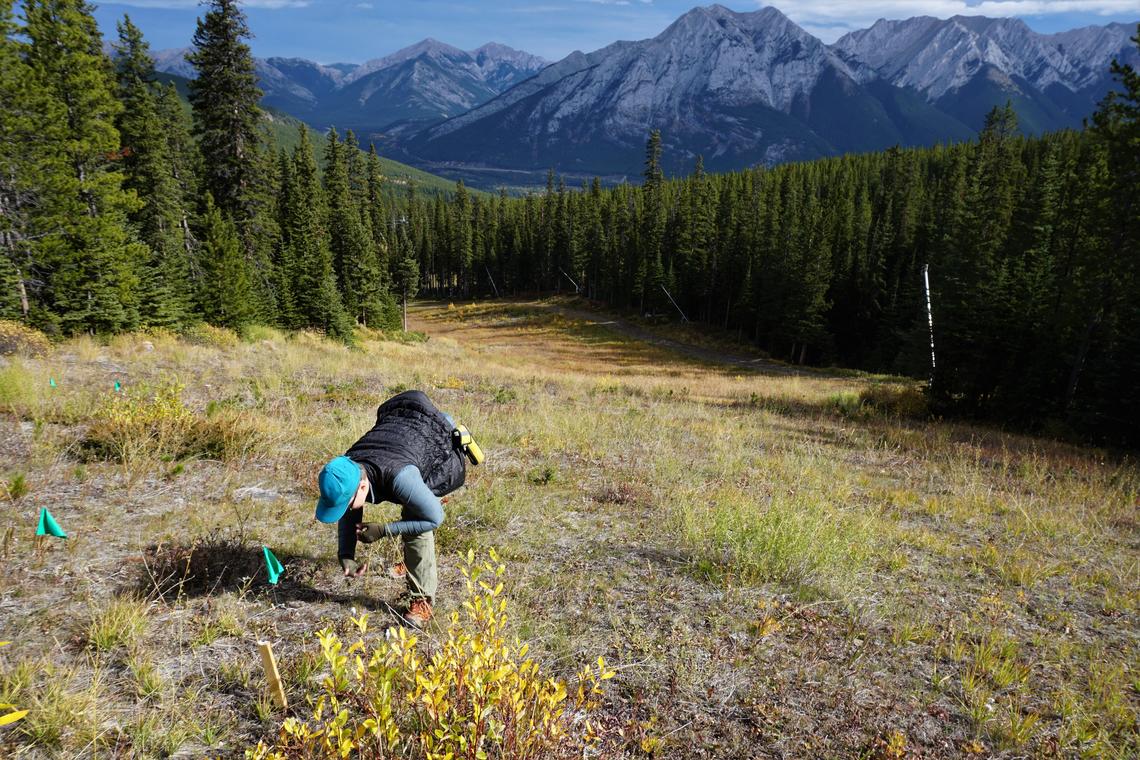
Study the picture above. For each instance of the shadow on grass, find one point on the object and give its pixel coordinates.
(217, 565)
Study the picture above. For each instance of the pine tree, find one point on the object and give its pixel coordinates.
(975, 316)
(594, 240)
(1114, 325)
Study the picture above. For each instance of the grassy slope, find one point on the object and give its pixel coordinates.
(775, 569)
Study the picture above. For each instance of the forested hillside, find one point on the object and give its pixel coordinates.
(1031, 246)
(124, 209)
(121, 212)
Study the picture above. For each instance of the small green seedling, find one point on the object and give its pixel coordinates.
(48, 526)
(273, 566)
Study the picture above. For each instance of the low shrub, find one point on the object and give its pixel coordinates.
(476, 695)
(256, 333)
(400, 336)
(848, 404)
(903, 401)
(140, 422)
(154, 423)
(226, 434)
(882, 400)
(18, 338)
(203, 334)
(19, 392)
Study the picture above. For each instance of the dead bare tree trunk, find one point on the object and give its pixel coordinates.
(23, 293)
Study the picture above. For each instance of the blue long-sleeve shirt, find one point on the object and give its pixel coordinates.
(422, 511)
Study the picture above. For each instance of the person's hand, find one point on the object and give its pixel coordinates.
(369, 532)
(352, 568)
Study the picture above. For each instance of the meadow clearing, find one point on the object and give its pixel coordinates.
(777, 563)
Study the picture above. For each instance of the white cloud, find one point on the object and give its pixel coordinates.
(828, 19)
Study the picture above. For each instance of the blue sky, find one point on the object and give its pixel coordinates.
(356, 30)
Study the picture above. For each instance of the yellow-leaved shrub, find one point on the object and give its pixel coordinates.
(152, 422)
(203, 334)
(140, 422)
(476, 695)
(18, 338)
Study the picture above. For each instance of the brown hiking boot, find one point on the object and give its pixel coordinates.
(419, 613)
(399, 571)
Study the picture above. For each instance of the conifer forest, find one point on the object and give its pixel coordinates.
(124, 207)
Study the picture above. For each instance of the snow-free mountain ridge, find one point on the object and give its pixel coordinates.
(738, 88)
(422, 83)
(754, 87)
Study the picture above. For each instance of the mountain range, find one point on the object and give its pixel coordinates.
(417, 86)
(737, 88)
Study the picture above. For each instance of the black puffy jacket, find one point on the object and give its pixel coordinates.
(409, 429)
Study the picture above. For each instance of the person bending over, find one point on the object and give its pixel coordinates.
(413, 455)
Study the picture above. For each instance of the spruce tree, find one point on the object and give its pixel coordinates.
(18, 170)
(225, 98)
(304, 219)
(236, 166)
(354, 257)
(226, 281)
(185, 161)
(90, 256)
(149, 171)
(408, 281)
(652, 224)
(380, 219)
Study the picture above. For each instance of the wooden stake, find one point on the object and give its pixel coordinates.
(271, 674)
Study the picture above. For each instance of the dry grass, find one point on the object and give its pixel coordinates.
(779, 563)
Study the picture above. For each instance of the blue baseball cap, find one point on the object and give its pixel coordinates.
(338, 481)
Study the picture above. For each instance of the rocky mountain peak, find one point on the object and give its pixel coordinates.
(937, 56)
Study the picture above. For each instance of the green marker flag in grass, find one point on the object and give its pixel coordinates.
(273, 566)
(118, 387)
(48, 526)
(51, 381)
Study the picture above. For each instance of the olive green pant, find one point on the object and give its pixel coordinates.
(419, 559)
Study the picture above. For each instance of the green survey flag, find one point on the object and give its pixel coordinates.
(118, 387)
(48, 526)
(273, 566)
(51, 381)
